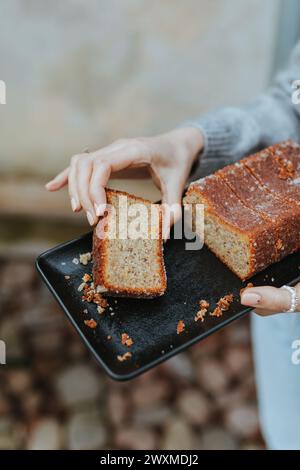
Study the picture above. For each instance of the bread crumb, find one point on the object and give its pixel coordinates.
(217, 312)
(84, 258)
(86, 277)
(91, 323)
(124, 356)
(85, 310)
(248, 286)
(67, 277)
(223, 305)
(109, 337)
(81, 287)
(200, 314)
(100, 309)
(126, 340)
(180, 327)
(203, 304)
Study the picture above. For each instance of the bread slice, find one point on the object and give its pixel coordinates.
(252, 216)
(131, 267)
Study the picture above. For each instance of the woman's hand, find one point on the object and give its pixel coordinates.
(267, 300)
(169, 157)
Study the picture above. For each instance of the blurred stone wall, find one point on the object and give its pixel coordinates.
(82, 73)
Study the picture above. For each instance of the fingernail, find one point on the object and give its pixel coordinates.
(251, 299)
(47, 185)
(90, 218)
(99, 209)
(74, 204)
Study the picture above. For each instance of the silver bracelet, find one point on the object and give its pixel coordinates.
(294, 298)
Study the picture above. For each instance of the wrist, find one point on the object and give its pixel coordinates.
(192, 140)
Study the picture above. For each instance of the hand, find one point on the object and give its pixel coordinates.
(268, 300)
(169, 157)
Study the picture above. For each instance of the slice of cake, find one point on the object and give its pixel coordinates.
(252, 216)
(278, 169)
(238, 235)
(128, 248)
(274, 208)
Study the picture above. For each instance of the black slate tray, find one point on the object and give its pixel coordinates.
(192, 275)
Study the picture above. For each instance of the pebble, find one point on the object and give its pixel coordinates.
(194, 407)
(86, 430)
(135, 438)
(211, 375)
(79, 384)
(238, 360)
(178, 435)
(217, 439)
(45, 435)
(18, 381)
(242, 421)
(181, 367)
(16, 276)
(117, 407)
(156, 416)
(149, 394)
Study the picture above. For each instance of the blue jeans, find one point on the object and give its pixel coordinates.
(277, 378)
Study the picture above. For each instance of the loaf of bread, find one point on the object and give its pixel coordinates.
(252, 209)
(124, 266)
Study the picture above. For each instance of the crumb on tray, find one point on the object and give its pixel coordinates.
(248, 286)
(84, 258)
(223, 305)
(124, 356)
(126, 340)
(91, 323)
(180, 327)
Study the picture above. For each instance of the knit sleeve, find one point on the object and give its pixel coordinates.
(231, 132)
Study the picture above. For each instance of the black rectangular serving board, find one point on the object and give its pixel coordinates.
(192, 275)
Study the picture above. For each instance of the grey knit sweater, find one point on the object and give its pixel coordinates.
(231, 133)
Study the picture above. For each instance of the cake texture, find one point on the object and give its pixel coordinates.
(252, 216)
(129, 263)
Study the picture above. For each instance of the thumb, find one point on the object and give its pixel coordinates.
(268, 298)
(171, 205)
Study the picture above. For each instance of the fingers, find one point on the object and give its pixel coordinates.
(171, 204)
(267, 299)
(73, 193)
(89, 173)
(99, 179)
(59, 181)
(84, 168)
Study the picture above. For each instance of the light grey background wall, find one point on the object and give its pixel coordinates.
(82, 73)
